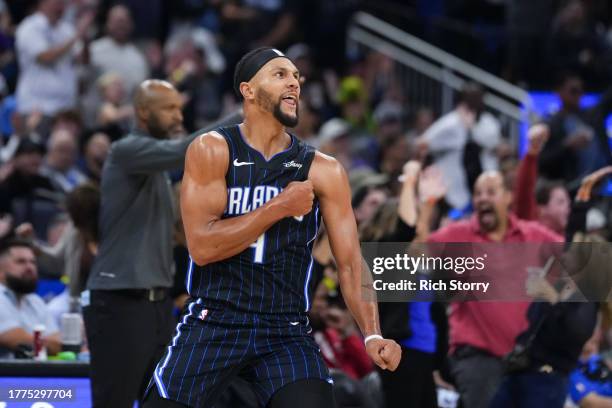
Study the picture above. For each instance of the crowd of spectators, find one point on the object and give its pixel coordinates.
(69, 69)
(521, 41)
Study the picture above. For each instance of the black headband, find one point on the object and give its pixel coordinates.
(251, 63)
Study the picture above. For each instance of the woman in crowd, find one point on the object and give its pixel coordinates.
(419, 327)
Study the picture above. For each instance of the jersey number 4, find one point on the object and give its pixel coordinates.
(259, 247)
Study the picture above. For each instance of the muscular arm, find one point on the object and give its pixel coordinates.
(332, 189)
(204, 198)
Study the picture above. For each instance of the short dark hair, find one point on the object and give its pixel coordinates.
(7, 244)
(472, 95)
(565, 76)
(359, 196)
(28, 146)
(67, 115)
(544, 190)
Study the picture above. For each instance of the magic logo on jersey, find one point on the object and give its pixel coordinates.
(241, 200)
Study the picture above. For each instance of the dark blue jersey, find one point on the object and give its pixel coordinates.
(273, 274)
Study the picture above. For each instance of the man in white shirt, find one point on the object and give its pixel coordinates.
(20, 308)
(45, 49)
(446, 140)
(115, 53)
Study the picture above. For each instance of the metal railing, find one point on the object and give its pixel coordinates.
(430, 76)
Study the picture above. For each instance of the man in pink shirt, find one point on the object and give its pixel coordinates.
(482, 332)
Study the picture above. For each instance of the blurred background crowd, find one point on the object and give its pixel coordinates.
(69, 68)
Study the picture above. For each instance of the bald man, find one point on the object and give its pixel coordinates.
(128, 313)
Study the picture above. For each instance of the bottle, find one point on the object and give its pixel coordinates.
(70, 332)
(40, 351)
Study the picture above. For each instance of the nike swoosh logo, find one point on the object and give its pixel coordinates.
(299, 218)
(238, 164)
(294, 323)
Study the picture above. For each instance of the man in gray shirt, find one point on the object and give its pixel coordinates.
(127, 310)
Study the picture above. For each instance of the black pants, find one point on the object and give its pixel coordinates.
(411, 385)
(127, 336)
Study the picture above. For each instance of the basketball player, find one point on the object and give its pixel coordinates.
(252, 197)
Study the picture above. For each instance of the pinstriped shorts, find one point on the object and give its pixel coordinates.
(212, 346)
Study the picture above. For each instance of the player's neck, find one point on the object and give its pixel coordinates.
(266, 136)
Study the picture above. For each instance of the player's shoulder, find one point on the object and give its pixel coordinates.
(208, 153)
(326, 162)
(209, 143)
(326, 168)
(327, 174)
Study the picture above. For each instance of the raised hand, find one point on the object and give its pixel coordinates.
(6, 224)
(410, 172)
(584, 193)
(431, 185)
(84, 23)
(25, 231)
(537, 136)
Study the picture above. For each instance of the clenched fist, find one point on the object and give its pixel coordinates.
(296, 199)
(537, 136)
(385, 353)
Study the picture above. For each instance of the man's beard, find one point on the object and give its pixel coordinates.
(283, 118)
(21, 286)
(158, 131)
(492, 223)
(265, 100)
